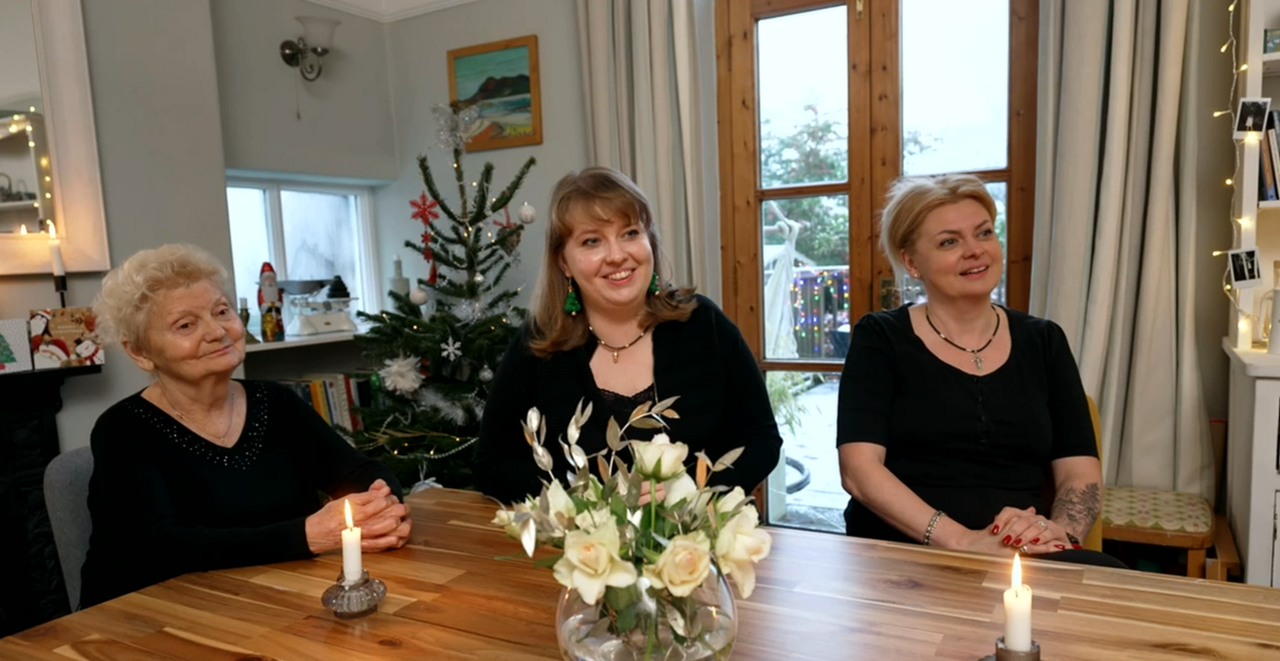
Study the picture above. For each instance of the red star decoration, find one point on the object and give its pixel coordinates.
(427, 253)
(508, 224)
(424, 209)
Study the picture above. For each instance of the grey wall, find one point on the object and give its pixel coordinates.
(1210, 86)
(417, 52)
(160, 144)
(272, 120)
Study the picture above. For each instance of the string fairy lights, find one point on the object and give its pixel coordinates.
(1244, 318)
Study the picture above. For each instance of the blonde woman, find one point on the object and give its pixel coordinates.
(604, 328)
(962, 423)
(198, 471)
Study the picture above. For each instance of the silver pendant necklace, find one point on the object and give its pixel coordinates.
(977, 359)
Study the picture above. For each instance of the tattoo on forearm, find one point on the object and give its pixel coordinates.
(1076, 508)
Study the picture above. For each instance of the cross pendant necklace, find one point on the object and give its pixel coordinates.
(614, 349)
(977, 359)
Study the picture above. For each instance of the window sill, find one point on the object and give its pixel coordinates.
(305, 340)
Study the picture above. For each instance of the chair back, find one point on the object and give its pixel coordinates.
(66, 495)
(1093, 541)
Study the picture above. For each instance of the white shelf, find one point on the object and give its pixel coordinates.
(18, 204)
(1271, 64)
(303, 341)
(1269, 204)
(1256, 362)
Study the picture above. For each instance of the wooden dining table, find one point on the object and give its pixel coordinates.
(461, 589)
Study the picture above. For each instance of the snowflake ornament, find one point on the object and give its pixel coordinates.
(425, 209)
(401, 375)
(452, 349)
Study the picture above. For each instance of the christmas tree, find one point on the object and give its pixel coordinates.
(6, 353)
(436, 368)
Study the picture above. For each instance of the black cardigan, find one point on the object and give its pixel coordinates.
(165, 502)
(723, 404)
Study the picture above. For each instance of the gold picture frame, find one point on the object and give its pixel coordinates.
(500, 77)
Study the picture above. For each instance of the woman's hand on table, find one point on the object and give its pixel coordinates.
(382, 519)
(1029, 533)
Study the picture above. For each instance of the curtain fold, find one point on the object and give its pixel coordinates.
(1115, 198)
(647, 112)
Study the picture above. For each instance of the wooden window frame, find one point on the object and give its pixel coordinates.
(874, 80)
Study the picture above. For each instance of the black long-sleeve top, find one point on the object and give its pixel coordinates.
(165, 502)
(723, 404)
(968, 445)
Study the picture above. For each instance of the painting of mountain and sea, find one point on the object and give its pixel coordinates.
(501, 80)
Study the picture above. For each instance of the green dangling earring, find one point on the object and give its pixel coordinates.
(571, 303)
(653, 284)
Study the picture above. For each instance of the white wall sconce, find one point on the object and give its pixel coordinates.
(308, 51)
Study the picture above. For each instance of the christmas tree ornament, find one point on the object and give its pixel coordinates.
(527, 214)
(454, 127)
(571, 303)
(486, 374)
(452, 349)
(433, 276)
(653, 284)
(479, 277)
(401, 375)
(418, 296)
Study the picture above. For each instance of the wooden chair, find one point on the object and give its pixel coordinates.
(1093, 541)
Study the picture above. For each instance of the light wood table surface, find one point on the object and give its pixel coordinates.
(819, 596)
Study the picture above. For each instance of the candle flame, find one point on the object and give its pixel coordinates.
(1017, 572)
(53, 231)
(346, 507)
(23, 231)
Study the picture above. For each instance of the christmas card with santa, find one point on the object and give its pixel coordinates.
(15, 356)
(64, 337)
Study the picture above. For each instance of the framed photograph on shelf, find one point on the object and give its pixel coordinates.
(1251, 116)
(501, 80)
(1245, 271)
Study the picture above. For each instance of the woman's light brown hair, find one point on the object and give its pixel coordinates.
(911, 199)
(595, 194)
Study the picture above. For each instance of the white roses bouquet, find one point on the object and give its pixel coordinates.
(640, 558)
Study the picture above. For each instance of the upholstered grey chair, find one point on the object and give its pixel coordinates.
(66, 494)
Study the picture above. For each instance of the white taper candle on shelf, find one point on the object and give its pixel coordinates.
(1017, 613)
(55, 250)
(1244, 333)
(352, 565)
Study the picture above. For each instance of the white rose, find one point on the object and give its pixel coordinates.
(730, 500)
(592, 519)
(739, 546)
(683, 565)
(563, 510)
(681, 488)
(659, 459)
(591, 562)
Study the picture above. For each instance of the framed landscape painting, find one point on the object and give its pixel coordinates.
(501, 80)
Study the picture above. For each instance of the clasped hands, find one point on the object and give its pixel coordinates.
(383, 521)
(1022, 531)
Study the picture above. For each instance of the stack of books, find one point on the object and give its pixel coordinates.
(1269, 153)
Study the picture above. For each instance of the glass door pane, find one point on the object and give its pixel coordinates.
(955, 85)
(803, 97)
(321, 237)
(805, 491)
(805, 254)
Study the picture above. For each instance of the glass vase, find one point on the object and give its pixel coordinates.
(638, 624)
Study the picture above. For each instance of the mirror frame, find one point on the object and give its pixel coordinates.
(73, 148)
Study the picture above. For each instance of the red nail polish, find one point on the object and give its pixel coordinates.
(1007, 539)
(1076, 546)
(1035, 541)
(995, 530)
(1059, 547)
(1017, 542)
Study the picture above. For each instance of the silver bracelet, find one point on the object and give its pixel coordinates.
(933, 523)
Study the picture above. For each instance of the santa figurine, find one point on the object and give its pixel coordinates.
(270, 304)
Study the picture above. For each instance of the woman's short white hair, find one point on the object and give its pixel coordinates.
(129, 291)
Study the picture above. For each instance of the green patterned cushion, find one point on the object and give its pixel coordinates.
(1156, 509)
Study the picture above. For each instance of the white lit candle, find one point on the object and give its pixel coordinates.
(55, 251)
(1017, 613)
(352, 566)
(1244, 333)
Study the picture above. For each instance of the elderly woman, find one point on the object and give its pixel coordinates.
(957, 417)
(199, 471)
(605, 329)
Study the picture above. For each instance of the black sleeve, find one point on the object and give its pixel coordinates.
(337, 468)
(504, 461)
(866, 386)
(750, 423)
(1068, 408)
(137, 503)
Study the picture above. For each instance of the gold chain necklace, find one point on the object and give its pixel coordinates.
(222, 440)
(614, 349)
